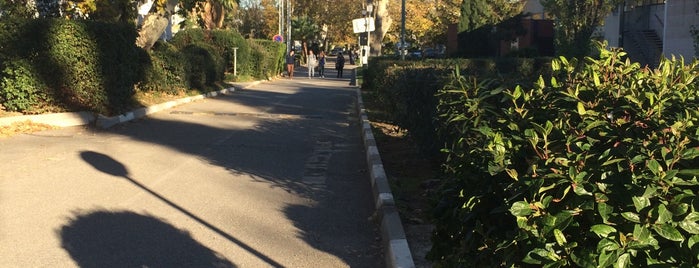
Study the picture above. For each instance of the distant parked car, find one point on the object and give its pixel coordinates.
(336, 51)
(433, 53)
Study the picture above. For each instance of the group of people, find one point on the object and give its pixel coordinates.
(314, 61)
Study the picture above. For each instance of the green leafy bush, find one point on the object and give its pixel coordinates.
(84, 65)
(407, 89)
(594, 167)
(188, 36)
(226, 41)
(20, 89)
(165, 69)
(204, 65)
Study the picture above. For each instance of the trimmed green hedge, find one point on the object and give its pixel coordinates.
(79, 70)
(407, 88)
(564, 164)
(62, 65)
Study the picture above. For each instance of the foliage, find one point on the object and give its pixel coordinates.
(15, 9)
(71, 65)
(593, 167)
(204, 65)
(267, 58)
(225, 41)
(165, 70)
(20, 89)
(575, 23)
(406, 89)
(79, 70)
(477, 13)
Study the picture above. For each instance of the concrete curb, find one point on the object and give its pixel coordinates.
(396, 247)
(86, 118)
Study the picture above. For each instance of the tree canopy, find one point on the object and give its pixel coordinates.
(576, 21)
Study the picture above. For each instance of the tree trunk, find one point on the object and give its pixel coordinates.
(153, 27)
(382, 22)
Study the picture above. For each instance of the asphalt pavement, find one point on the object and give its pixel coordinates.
(270, 174)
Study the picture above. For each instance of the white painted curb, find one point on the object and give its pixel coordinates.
(397, 251)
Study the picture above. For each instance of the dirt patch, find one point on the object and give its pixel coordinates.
(23, 127)
(412, 179)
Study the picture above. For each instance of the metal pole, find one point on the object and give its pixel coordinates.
(235, 61)
(402, 30)
(288, 25)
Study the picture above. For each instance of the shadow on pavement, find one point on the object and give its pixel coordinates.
(127, 239)
(108, 165)
(271, 152)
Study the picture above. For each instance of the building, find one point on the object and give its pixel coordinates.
(651, 29)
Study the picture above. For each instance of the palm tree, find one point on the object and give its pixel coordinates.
(305, 29)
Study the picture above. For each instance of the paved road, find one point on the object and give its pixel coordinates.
(271, 176)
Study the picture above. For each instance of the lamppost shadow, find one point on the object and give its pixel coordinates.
(126, 239)
(108, 165)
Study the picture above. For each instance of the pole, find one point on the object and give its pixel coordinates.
(288, 25)
(370, 8)
(235, 61)
(402, 30)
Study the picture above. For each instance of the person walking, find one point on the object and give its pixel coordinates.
(290, 64)
(340, 64)
(321, 64)
(311, 63)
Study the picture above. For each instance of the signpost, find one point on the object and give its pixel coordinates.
(364, 25)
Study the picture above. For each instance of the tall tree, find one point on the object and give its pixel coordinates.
(477, 13)
(576, 21)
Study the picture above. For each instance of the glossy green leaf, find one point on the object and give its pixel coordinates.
(692, 242)
(668, 232)
(690, 153)
(581, 108)
(623, 261)
(602, 230)
(560, 237)
(689, 172)
(607, 244)
(633, 217)
(654, 167)
(689, 226)
(520, 208)
(606, 258)
(536, 256)
(640, 202)
(664, 215)
(604, 211)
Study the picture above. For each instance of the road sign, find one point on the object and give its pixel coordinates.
(278, 38)
(361, 25)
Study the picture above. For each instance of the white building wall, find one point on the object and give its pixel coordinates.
(680, 16)
(612, 28)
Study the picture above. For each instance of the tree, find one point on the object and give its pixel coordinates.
(575, 22)
(477, 13)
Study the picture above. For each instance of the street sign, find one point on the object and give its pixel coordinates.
(361, 25)
(278, 38)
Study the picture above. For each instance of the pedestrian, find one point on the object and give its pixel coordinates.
(321, 64)
(340, 64)
(351, 56)
(311, 63)
(290, 64)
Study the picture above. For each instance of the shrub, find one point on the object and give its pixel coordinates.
(594, 167)
(20, 88)
(165, 69)
(225, 41)
(188, 36)
(85, 65)
(204, 65)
